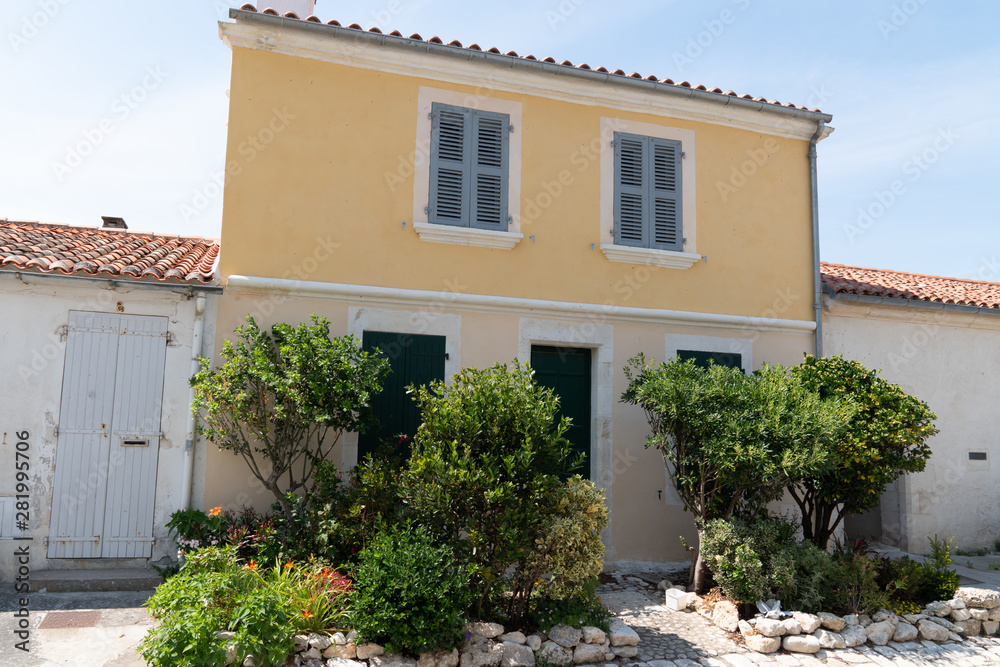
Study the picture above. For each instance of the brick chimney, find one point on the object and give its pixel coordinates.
(301, 8)
(113, 223)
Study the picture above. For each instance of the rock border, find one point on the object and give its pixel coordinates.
(486, 645)
(973, 611)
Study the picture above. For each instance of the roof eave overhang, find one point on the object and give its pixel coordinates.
(901, 302)
(114, 281)
(513, 62)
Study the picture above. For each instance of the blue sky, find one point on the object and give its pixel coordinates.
(119, 108)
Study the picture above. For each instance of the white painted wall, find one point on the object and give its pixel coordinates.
(951, 360)
(32, 354)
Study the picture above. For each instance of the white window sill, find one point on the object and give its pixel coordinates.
(466, 236)
(667, 259)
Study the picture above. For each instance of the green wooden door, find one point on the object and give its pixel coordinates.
(566, 371)
(413, 359)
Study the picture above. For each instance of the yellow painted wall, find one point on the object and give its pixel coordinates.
(310, 144)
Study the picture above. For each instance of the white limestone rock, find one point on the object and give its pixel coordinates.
(341, 662)
(368, 651)
(391, 660)
(854, 635)
(790, 626)
(801, 644)
(565, 636)
(625, 651)
(348, 651)
(932, 631)
(746, 629)
(905, 632)
(978, 598)
(939, 609)
(592, 635)
(831, 621)
(959, 615)
(995, 614)
(880, 633)
(482, 654)
(851, 619)
(885, 616)
(990, 628)
(762, 644)
(516, 654)
(516, 637)
(769, 627)
(338, 638)
(556, 654)
(970, 627)
(534, 642)
(830, 640)
(957, 603)
(488, 630)
(979, 614)
(585, 654)
(301, 642)
(864, 620)
(726, 616)
(809, 622)
(622, 635)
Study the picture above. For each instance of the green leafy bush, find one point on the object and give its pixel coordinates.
(904, 577)
(940, 581)
(854, 576)
(411, 593)
(584, 607)
(748, 560)
(488, 460)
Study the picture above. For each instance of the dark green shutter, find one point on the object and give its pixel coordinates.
(469, 167)
(413, 359)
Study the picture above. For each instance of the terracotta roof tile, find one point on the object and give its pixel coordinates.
(843, 279)
(114, 253)
(565, 63)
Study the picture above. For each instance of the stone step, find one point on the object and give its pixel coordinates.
(75, 581)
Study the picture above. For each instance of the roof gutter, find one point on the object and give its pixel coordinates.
(181, 288)
(513, 62)
(910, 303)
(817, 277)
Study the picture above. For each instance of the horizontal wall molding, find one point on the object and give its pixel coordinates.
(488, 72)
(895, 309)
(440, 302)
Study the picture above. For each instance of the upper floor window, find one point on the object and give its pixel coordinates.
(648, 201)
(470, 168)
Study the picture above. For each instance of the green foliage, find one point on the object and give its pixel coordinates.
(885, 437)
(347, 515)
(582, 608)
(214, 591)
(904, 577)
(940, 580)
(278, 398)
(411, 593)
(856, 589)
(733, 442)
(569, 554)
(487, 463)
(982, 551)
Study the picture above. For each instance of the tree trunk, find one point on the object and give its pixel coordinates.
(698, 582)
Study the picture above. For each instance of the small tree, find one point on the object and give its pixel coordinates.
(282, 400)
(732, 442)
(487, 462)
(886, 438)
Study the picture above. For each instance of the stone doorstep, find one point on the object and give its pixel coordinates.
(80, 581)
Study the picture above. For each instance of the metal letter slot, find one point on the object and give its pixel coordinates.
(135, 443)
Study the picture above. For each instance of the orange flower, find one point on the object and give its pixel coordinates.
(252, 565)
(215, 511)
(289, 565)
(306, 613)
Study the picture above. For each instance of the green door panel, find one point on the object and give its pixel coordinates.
(566, 371)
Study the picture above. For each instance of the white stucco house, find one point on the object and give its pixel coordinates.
(939, 339)
(98, 329)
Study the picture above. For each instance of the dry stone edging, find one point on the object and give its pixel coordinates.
(972, 612)
(487, 645)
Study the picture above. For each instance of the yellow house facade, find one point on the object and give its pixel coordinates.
(461, 207)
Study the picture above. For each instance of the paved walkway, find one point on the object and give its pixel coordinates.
(687, 639)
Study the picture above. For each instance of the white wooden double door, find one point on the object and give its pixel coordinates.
(109, 436)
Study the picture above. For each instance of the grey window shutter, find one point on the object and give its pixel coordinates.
(665, 186)
(490, 170)
(469, 167)
(451, 130)
(630, 189)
